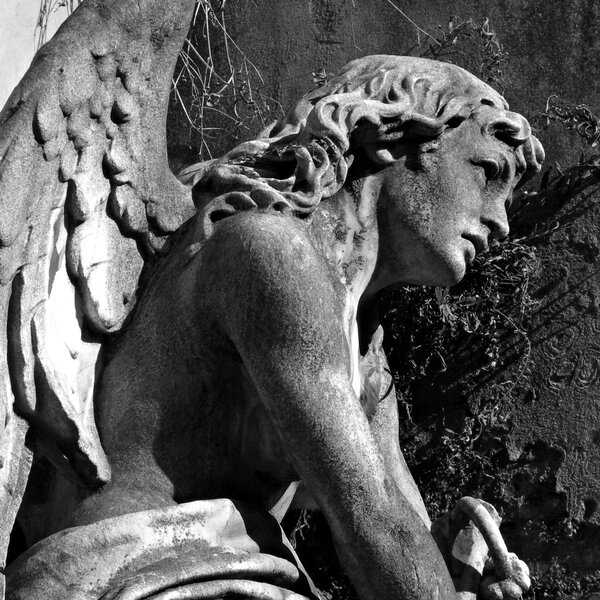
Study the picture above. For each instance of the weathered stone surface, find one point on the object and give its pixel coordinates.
(552, 49)
(211, 548)
(240, 372)
(58, 129)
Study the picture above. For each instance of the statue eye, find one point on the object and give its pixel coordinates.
(491, 168)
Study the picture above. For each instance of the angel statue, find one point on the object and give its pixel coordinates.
(189, 356)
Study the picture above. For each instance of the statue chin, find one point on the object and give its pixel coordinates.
(446, 271)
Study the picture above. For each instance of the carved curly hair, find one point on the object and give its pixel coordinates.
(306, 156)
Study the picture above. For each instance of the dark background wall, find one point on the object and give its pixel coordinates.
(547, 459)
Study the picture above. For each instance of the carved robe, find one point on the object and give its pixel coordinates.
(207, 549)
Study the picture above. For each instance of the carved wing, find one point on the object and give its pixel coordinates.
(86, 196)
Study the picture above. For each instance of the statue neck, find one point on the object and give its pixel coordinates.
(345, 230)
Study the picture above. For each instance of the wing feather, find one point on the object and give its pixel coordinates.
(84, 184)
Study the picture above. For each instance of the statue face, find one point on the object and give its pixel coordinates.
(440, 206)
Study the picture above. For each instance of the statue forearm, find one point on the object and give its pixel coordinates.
(395, 557)
(384, 427)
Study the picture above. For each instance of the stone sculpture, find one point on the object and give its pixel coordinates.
(222, 337)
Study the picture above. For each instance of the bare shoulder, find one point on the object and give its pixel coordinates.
(268, 235)
(266, 248)
(265, 268)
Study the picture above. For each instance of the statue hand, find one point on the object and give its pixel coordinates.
(509, 582)
(470, 541)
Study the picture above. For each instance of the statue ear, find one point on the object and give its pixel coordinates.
(383, 154)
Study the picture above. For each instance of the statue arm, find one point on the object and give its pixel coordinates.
(288, 328)
(384, 427)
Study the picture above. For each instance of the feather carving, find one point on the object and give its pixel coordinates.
(86, 197)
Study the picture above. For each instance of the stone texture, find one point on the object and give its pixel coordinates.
(73, 140)
(239, 372)
(552, 48)
(208, 548)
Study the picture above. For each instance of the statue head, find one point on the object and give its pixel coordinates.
(377, 111)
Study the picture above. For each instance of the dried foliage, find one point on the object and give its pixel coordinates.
(471, 44)
(559, 584)
(220, 90)
(450, 344)
(578, 117)
(47, 9)
(445, 345)
(566, 189)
